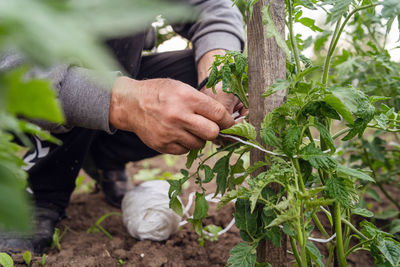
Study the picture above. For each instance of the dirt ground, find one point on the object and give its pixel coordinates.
(78, 248)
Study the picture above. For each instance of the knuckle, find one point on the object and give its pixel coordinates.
(219, 112)
(213, 132)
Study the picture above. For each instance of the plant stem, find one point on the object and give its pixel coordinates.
(335, 39)
(343, 131)
(357, 246)
(339, 238)
(354, 229)
(319, 225)
(292, 38)
(295, 251)
(331, 250)
(330, 53)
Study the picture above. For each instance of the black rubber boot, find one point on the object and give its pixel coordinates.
(114, 183)
(45, 220)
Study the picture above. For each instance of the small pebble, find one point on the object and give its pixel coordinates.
(142, 255)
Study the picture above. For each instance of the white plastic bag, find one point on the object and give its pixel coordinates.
(146, 213)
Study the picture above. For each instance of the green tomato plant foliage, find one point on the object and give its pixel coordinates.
(47, 33)
(330, 104)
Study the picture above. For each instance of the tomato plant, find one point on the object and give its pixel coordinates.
(300, 140)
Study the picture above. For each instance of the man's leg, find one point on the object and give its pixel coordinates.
(52, 171)
(110, 153)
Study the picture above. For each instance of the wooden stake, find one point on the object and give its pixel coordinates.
(267, 63)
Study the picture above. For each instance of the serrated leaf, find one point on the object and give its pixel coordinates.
(274, 235)
(310, 23)
(362, 212)
(208, 173)
(201, 207)
(197, 226)
(191, 157)
(390, 249)
(288, 216)
(354, 173)
(326, 136)
(279, 85)
(269, 137)
(176, 206)
(315, 254)
(291, 140)
(243, 129)
(6, 260)
(242, 255)
(338, 188)
(339, 9)
(221, 168)
(317, 158)
(244, 219)
(341, 108)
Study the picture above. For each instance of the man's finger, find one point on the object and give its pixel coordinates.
(190, 141)
(201, 127)
(213, 110)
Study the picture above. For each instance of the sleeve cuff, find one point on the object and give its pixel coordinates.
(85, 96)
(216, 40)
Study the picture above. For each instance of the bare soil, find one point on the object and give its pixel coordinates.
(78, 248)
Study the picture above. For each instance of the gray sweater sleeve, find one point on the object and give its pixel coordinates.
(219, 25)
(84, 94)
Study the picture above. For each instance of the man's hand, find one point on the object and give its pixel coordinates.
(231, 102)
(167, 115)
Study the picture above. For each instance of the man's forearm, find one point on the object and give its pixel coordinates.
(205, 62)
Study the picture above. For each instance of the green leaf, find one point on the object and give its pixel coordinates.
(269, 137)
(317, 158)
(387, 214)
(197, 226)
(288, 216)
(244, 219)
(310, 23)
(175, 190)
(338, 188)
(176, 206)
(32, 98)
(325, 136)
(14, 214)
(27, 257)
(221, 168)
(315, 254)
(291, 140)
(395, 226)
(274, 235)
(362, 212)
(201, 207)
(277, 86)
(242, 255)
(339, 9)
(341, 108)
(208, 173)
(390, 249)
(353, 173)
(6, 260)
(243, 129)
(191, 157)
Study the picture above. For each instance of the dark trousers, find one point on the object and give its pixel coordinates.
(53, 169)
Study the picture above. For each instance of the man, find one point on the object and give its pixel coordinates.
(153, 109)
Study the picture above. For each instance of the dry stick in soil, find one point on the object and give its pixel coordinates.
(266, 65)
